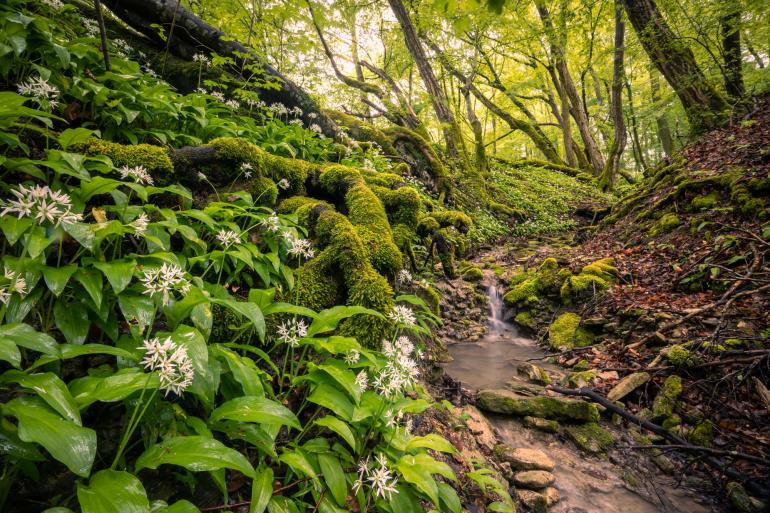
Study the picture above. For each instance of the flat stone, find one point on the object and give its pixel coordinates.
(590, 437)
(505, 401)
(627, 385)
(533, 500)
(533, 479)
(524, 459)
(549, 426)
(552, 496)
(533, 373)
(478, 424)
(525, 388)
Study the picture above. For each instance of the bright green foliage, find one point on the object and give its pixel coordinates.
(472, 273)
(594, 278)
(528, 286)
(154, 158)
(703, 434)
(566, 332)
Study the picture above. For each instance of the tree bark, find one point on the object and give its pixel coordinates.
(704, 105)
(478, 133)
(638, 154)
(730, 27)
(616, 108)
(452, 135)
(661, 119)
(193, 35)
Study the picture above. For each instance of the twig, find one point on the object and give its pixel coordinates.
(103, 35)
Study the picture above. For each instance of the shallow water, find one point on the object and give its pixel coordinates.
(586, 484)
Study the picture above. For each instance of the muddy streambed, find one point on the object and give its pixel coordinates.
(586, 483)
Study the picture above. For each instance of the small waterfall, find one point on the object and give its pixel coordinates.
(495, 322)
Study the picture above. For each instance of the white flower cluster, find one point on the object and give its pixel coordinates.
(199, 57)
(297, 247)
(278, 109)
(228, 237)
(42, 204)
(296, 121)
(91, 26)
(40, 90)
(217, 95)
(381, 481)
(284, 184)
(247, 169)
(138, 174)
(401, 370)
(55, 4)
(202, 90)
(16, 284)
(315, 127)
(352, 357)
(295, 111)
(140, 224)
(252, 103)
(312, 115)
(122, 48)
(271, 223)
(404, 277)
(291, 331)
(172, 363)
(233, 104)
(362, 380)
(402, 315)
(163, 280)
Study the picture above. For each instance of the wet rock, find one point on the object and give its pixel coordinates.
(665, 401)
(581, 379)
(742, 501)
(549, 426)
(533, 479)
(505, 401)
(524, 459)
(534, 373)
(525, 388)
(552, 496)
(533, 500)
(627, 385)
(478, 424)
(591, 437)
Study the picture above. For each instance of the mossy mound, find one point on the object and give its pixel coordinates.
(593, 279)
(680, 356)
(472, 274)
(505, 401)
(665, 401)
(590, 438)
(527, 287)
(526, 319)
(566, 332)
(703, 434)
(666, 223)
(154, 159)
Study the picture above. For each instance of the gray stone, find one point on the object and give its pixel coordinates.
(524, 459)
(505, 401)
(627, 385)
(533, 500)
(533, 373)
(552, 496)
(549, 426)
(533, 479)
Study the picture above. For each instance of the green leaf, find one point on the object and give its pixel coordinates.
(92, 282)
(328, 320)
(195, 453)
(261, 489)
(431, 441)
(405, 500)
(50, 388)
(90, 389)
(334, 476)
(13, 228)
(335, 400)
(68, 351)
(448, 497)
(83, 233)
(112, 491)
(298, 463)
(67, 442)
(339, 427)
(138, 310)
(245, 372)
(419, 476)
(9, 352)
(72, 136)
(248, 310)
(72, 320)
(25, 336)
(182, 506)
(56, 278)
(256, 409)
(206, 380)
(118, 273)
(13, 446)
(343, 376)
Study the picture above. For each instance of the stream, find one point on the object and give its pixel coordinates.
(586, 484)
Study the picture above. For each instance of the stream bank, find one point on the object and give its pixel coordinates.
(489, 352)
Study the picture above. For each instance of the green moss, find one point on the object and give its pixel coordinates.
(315, 283)
(590, 437)
(472, 273)
(153, 158)
(702, 434)
(527, 287)
(386, 180)
(507, 402)
(666, 223)
(566, 332)
(604, 268)
(680, 356)
(402, 205)
(422, 152)
(524, 292)
(665, 401)
(525, 318)
(225, 324)
(264, 191)
(427, 226)
(593, 278)
(581, 379)
(581, 365)
(363, 131)
(455, 218)
(705, 202)
(431, 297)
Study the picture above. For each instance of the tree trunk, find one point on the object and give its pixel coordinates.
(616, 108)
(730, 27)
(478, 133)
(354, 54)
(452, 135)
(193, 35)
(704, 105)
(568, 87)
(639, 155)
(661, 119)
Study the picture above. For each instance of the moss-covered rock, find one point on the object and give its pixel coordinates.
(590, 437)
(705, 202)
(154, 159)
(472, 273)
(526, 319)
(680, 356)
(665, 401)
(533, 373)
(741, 500)
(541, 424)
(702, 434)
(593, 278)
(566, 332)
(666, 223)
(505, 401)
(526, 288)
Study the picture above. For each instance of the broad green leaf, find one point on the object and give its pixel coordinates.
(72, 320)
(448, 497)
(245, 372)
(195, 453)
(335, 400)
(138, 310)
(405, 500)
(431, 441)
(343, 376)
(112, 491)
(118, 273)
(420, 477)
(13, 446)
(91, 280)
(248, 310)
(256, 409)
(339, 427)
(9, 352)
(67, 442)
(56, 278)
(206, 380)
(50, 388)
(72, 136)
(250, 433)
(13, 228)
(182, 506)
(90, 389)
(334, 476)
(261, 489)
(327, 320)
(25, 336)
(298, 463)
(69, 351)
(83, 233)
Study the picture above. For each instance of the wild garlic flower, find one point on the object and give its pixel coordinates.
(202, 90)
(401, 370)
(201, 58)
(172, 363)
(164, 280)
(312, 115)
(91, 26)
(233, 104)
(252, 103)
(246, 166)
(217, 95)
(402, 315)
(42, 204)
(228, 237)
(382, 482)
(247, 174)
(301, 248)
(121, 47)
(295, 111)
(5, 296)
(202, 177)
(140, 224)
(362, 380)
(290, 332)
(315, 127)
(352, 357)
(278, 108)
(16, 284)
(284, 184)
(367, 164)
(271, 223)
(296, 121)
(40, 90)
(138, 174)
(404, 277)
(55, 4)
